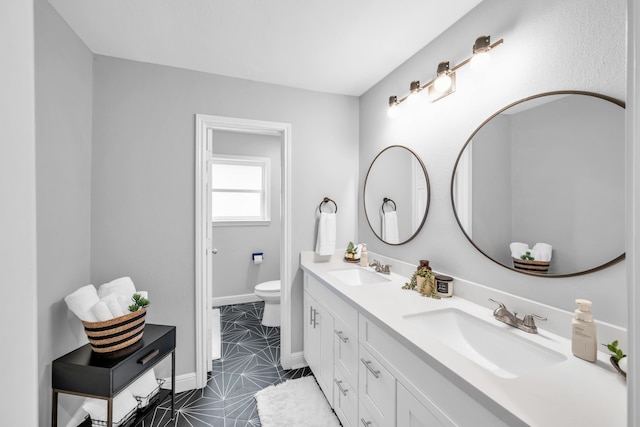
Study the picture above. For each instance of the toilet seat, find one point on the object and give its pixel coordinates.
(271, 286)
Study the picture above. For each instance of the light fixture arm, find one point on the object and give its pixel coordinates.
(481, 45)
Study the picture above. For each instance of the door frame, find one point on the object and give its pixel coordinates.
(205, 124)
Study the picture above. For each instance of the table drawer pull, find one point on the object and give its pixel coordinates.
(146, 359)
(367, 363)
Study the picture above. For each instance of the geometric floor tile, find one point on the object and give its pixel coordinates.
(249, 362)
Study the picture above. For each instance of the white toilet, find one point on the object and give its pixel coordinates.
(269, 292)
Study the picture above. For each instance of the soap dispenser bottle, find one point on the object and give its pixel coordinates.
(583, 338)
(363, 255)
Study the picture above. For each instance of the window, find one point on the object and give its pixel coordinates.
(240, 190)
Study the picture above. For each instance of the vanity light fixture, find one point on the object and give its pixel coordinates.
(445, 81)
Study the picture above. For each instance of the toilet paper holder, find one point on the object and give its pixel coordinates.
(257, 257)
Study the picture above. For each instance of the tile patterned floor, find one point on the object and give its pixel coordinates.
(250, 362)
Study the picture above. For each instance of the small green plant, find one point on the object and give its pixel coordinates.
(352, 248)
(527, 257)
(138, 302)
(413, 283)
(617, 353)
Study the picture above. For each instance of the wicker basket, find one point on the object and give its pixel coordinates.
(538, 267)
(117, 333)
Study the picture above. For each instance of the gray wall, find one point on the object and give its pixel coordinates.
(19, 395)
(233, 271)
(64, 68)
(143, 177)
(543, 50)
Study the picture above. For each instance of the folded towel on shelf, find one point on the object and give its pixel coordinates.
(114, 306)
(101, 311)
(390, 227)
(81, 301)
(123, 404)
(326, 243)
(121, 286)
(143, 386)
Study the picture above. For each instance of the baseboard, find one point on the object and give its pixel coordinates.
(297, 360)
(184, 382)
(234, 299)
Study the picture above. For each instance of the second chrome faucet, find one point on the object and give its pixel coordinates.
(380, 268)
(527, 323)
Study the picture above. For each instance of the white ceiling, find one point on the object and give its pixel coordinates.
(335, 46)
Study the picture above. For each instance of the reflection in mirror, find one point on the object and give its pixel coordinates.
(396, 195)
(546, 169)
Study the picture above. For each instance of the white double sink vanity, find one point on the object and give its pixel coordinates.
(385, 356)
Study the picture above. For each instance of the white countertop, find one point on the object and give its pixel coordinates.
(572, 392)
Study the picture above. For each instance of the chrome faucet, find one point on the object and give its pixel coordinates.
(527, 323)
(380, 268)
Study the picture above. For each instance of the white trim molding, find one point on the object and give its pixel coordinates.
(205, 124)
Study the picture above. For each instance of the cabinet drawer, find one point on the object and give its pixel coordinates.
(151, 353)
(365, 419)
(345, 401)
(345, 350)
(377, 389)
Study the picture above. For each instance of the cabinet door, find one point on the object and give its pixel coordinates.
(411, 413)
(377, 390)
(318, 344)
(345, 350)
(345, 399)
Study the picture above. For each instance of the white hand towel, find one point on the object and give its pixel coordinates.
(518, 249)
(101, 311)
(143, 294)
(114, 306)
(121, 286)
(390, 227)
(123, 403)
(144, 385)
(81, 301)
(326, 243)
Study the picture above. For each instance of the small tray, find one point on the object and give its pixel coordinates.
(615, 365)
(351, 260)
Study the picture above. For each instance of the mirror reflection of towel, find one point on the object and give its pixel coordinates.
(390, 227)
(326, 243)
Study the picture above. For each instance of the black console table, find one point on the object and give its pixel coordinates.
(86, 373)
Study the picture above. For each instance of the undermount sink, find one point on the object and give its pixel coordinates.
(494, 348)
(357, 276)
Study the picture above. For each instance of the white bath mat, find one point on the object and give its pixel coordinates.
(295, 403)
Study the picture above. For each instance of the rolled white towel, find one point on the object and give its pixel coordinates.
(121, 286)
(143, 294)
(144, 385)
(114, 306)
(125, 302)
(102, 312)
(544, 251)
(123, 403)
(81, 301)
(518, 249)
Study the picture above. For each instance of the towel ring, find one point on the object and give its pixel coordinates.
(387, 200)
(327, 200)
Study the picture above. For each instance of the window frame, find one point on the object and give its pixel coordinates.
(265, 193)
